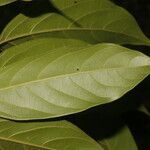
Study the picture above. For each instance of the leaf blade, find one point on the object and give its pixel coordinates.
(65, 80)
(76, 21)
(28, 136)
(123, 139)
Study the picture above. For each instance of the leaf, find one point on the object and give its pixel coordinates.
(56, 135)
(122, 140)
(93, 21)
(144, 110)
(52, 43)
(4, 2)
(40, 80)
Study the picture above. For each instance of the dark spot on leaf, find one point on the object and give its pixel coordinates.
(75, 2)
(77, 69)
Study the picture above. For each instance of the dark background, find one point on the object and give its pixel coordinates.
(138, 122)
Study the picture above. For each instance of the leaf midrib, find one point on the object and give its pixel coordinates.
(72, 29)
(65, 75)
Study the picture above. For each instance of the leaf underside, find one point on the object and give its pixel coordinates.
(93, 21)
(56, 67)
(56, 135)
(43, 79)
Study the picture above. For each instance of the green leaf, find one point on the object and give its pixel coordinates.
(4, 2)
(41, 80)
(56, 135)
(93, 21)
(122, 140)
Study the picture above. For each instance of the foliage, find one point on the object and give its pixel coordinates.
(62, 62)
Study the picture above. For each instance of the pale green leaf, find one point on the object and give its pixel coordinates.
(122, 140)
(41, 80)
(93, 21)
(56, 135)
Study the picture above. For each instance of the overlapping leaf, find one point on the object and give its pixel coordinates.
(40, 80)
(58, 135)
(4, 2)
(122, 140)
(56, 75)
(93, 21)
